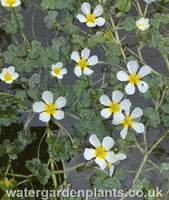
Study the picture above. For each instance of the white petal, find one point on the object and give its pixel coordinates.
(142, 86)
(44, 117)
(11, 69)
(85, 53)
(93, 139)
(117, 95)
(75, 56)
(58, 64)
(77, 71)
(111, 170)
(101, 162)
(15, 76)
(126, 103)
(130, 89)
(137, 112)
(93, 60)
(117, 118)
(63, 71)
(91, 24)
(111, 157)
(88, 71)
(132, 66)
(85, 8)
(18, 2)
(108, 142)
(47, 96)
(100, 21)
(98, 10)
(81, 18)
(4, 71)
(89, 154)
(123, 132)
(105, 113)
(60, 76)
(138, 127)
(38, 106)
(59, 115)
(104, 99)
(9, 82)
(60, 102)
(144, 71)
(120, 156)
(122, 76)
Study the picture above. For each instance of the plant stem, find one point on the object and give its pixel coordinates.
(146, 156)
(59, 27)
(68, 134)
(162, 98)
(117, 39)
(51, 162)
(166, 60)
(26, 42)
(145, 10)
(139, 8)
(7, 94)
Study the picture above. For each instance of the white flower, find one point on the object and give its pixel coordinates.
(114, 106)
(116, 157)
(101, 153)
(58, 71)
(143, 23)
(91, 19)
(10, 3)
(83, 62)
(9, 75)
(134, 78)
(149, 1)
(48, 108)
(128, 120)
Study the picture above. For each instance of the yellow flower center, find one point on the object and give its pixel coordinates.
(141, 25)
(10, 2)
(128, 121)
(82, 63)
(57, 70)
(114, 107)
(50, 108)
(134, 78)
(91, 18)
(8, 77)
(7, 182)
(100, 152)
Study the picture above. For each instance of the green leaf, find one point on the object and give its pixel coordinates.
(165, 120)
(119, 174)
(153, 116)
(48, 4)
(95, 39)
(123, 5)
(50, 19)
(60, 4)
(129, 24)
(165, 108)
(57, 148)
(39, 169)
